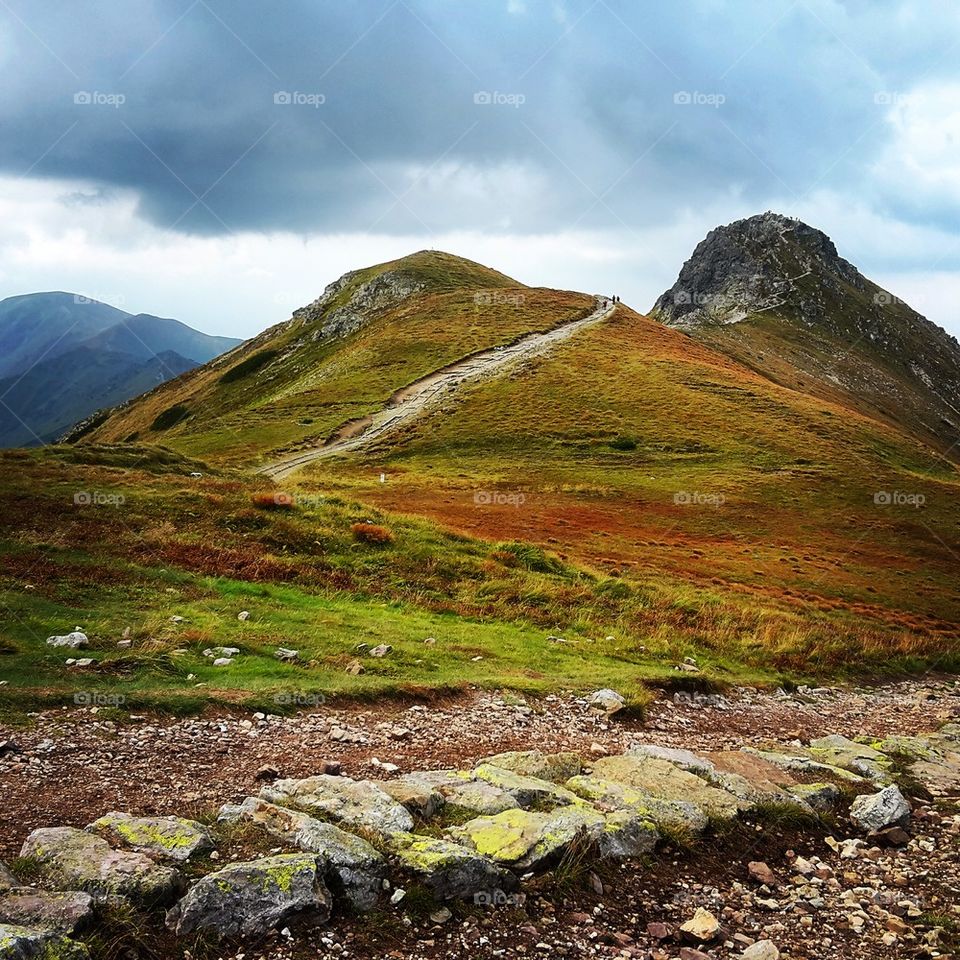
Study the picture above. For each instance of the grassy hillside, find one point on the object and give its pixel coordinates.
(644, 456)
(292, 387)
(634, 493)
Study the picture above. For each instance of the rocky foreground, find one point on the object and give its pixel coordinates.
(704, 832)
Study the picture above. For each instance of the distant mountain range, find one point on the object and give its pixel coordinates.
(64, 356)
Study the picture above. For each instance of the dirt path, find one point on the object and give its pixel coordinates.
(412, 400)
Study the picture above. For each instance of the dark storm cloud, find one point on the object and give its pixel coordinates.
(630, 110)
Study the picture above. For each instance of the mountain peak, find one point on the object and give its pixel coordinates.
(753, 266)
(347, 303)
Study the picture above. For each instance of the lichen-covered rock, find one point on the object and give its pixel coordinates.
(50, 911)
(662, 779)
(669, 815)
(163, 838)
(421, 798)
(356, 803)
(26, 943)
(685, 759)
(523, 838)
(249, 899)
(462, 792)
(527, 791)
(450, 870)
(71, 859)
(821, 797)
(351, 866)
(797, 760)
(858, 758)
(626, 834)
(877, 811)
(555, 767)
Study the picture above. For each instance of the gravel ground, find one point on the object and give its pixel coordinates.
(70, 766)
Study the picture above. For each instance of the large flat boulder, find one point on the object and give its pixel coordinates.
(250, 899)
(798, 760)
(422, 799)
(351, 867)
(163, 838)
(527, 791)
(555, 767)
(462, 792)
(858, 758)
(671, 816)
(71, 859)
(26, 943)
(523, 838)
(53, 911)
(450, 870)
(684, 759)
(355, 803)
(662, 779)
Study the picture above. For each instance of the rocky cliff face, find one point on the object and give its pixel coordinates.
(753, 266)
(347, 304)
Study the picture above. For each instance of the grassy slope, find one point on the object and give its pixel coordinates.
(862, 356)
(796, 572)
(798, 541)
(311, 387)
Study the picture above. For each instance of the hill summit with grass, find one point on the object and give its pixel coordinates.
(775, 294)
(338, 359)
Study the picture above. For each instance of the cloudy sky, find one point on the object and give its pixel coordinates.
(221, 161)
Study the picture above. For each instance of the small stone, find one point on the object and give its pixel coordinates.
(608, 701)
(877, 811)
(354, 668)
(397, 895)
(660, 931)
(267, 773)
(441, 916)
(73, 640)
(703, 927)
(381, 650)
(286, 654)
(243, 615)
(761, 950)
(762, 873)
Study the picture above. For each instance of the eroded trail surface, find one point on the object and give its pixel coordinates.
(410, 401)
(800, 889)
